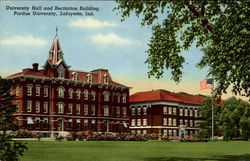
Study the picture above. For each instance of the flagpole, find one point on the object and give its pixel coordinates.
(212, 104)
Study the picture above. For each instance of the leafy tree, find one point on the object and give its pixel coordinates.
(205, 125)
(235, 118)
(220, 28)
(9, 149)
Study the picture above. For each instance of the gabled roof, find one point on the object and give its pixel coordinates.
(161, 95)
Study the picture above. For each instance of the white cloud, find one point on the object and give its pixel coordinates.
(23, 41)
(91, 23)
(113, 39)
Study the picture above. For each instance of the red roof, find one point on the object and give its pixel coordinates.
(161, 95)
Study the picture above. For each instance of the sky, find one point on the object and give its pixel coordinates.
(98, 40)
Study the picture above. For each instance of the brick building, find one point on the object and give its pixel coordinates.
(165, 113)
(55, 99)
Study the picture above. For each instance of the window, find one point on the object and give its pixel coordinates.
(38, 90)
(74, 76)
(195, 113)
(186, 122)
(17, 106)
(29, 90)
(70, 93)
(86, 94)
(37, 106)
(85, 124)
(169, 121)
(17, 90)
(138, 132)
(181, 111)
(174, 122)
(170, 110)
(195, 123)
(165, 121)
(191, 112)
(144, 110)
(70, 108)
(37, 122)
(106, 79)
(93, 124)
(138, 122)
(93, 110)
(89, 78)
(174, 111)
(170, 133)
(133, 132)
(118, 97)
(185, 112)
(61, 71)
(138, 111)
(60, 108)
(124, 98)
(78, 121)
(70, 124)
(132, 111)
(93, 95)
(124, 112)
(174, 132)
(165, 132)
(45, 107)
(105, 111)
(144, 132)
(191, 123)
(78, 94)
(46, 91)
(118, 112)
(106, 96)
(45, 123)
(86, 109)
(78, 109)
(181, 122)
(145, 122)
(60, 92)
(165, 110)
(29, 106)
(132, 122)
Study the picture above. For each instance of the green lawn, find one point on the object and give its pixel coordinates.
(136, 151)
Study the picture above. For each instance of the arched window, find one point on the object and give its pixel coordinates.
(106, 96)
(74, 76)
(118, 97)
(61, 92)
(70, 93)
(78, 94)
(93, 95)
(86, 94)
(124, 98)
(89, 78)
(106, 79)
(60, 107)
(105, 111)
(17, 90)
(61, 71)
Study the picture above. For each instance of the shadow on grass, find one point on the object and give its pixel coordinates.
(216, 158)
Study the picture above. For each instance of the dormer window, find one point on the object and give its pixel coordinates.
(89, 78)
(74, 76)
(61, 71)
(106, 79)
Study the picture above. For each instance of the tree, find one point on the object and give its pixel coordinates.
(205, 125)
(235, 118)
(9, 149)
(220, 28)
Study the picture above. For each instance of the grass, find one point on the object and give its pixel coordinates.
(136, 151)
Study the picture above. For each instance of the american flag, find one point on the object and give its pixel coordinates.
(206, 84)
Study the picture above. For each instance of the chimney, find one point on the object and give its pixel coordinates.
(35, 67)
